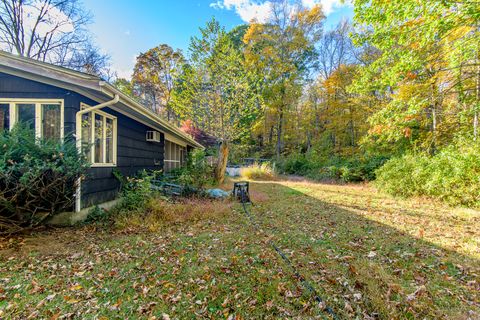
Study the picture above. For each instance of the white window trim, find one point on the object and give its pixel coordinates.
(104, 128)
(12, 102)
(174, 147)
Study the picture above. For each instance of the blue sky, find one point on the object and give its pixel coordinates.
(124, 28)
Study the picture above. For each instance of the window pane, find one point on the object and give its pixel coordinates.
(4, 117)
(182, 157)
(51, 121)
(87, 135)
(109, 140)
(98, 138)
(166, 150)
(26, 114)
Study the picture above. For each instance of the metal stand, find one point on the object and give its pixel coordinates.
(241, 191)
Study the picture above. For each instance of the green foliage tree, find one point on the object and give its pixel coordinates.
(215, 90)
(429, 68)
(125, 86)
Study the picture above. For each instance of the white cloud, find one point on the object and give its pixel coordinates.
(248, 10)
(125, 73)
(260, 11)
(53, 20)
(328, 6)
(217, 5)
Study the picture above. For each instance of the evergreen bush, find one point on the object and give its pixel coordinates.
(38, 177)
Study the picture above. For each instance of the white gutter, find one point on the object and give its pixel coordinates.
(78, 124)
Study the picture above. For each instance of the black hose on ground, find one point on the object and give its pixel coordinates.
(244, 199)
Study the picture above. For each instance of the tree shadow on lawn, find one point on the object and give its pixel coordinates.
(365, 267)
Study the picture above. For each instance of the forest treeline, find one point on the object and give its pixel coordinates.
(393, 95)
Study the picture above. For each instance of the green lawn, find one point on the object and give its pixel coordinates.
(367, 254)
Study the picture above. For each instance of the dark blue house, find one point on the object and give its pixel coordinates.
(111, 128)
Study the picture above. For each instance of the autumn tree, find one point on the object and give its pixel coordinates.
(154, 76)
(327, 115)
(283, 50)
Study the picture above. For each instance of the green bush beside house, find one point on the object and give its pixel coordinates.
(38, 177)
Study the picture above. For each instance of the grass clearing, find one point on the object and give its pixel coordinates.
(367, 254)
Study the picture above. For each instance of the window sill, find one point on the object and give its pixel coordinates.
(103, 165)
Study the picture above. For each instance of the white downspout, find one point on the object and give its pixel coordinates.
(78, 124)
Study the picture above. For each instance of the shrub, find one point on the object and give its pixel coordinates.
(347, 169)
(97, 215)
(38, 178)
(197, 173)
(256, 171)
(300, 164)
(452, 175)
(136, 191)
(361, 168)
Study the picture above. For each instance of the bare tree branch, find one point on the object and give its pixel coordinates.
(52, 31)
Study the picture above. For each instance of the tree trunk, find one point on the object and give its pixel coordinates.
(477, 105)
(435, 105)
(434, 129)
(279, 133)
(352, 128)
(221, 162)
(309, 141)
(270, 136)
(475, 125)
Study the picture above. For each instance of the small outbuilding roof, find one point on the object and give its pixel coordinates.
(92, 87)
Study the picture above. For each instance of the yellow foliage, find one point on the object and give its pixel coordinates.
(253, 30)
(256, 171)
(310, 17)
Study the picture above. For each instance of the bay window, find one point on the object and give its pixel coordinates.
(98, 138)
(43, 116)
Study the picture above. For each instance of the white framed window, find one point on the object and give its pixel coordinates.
(99, 138)
(45, 116)
(174, 156)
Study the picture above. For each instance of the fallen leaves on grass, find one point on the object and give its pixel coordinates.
(202, 259)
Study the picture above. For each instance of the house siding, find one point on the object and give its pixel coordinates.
(16, 87)
(134, 153)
